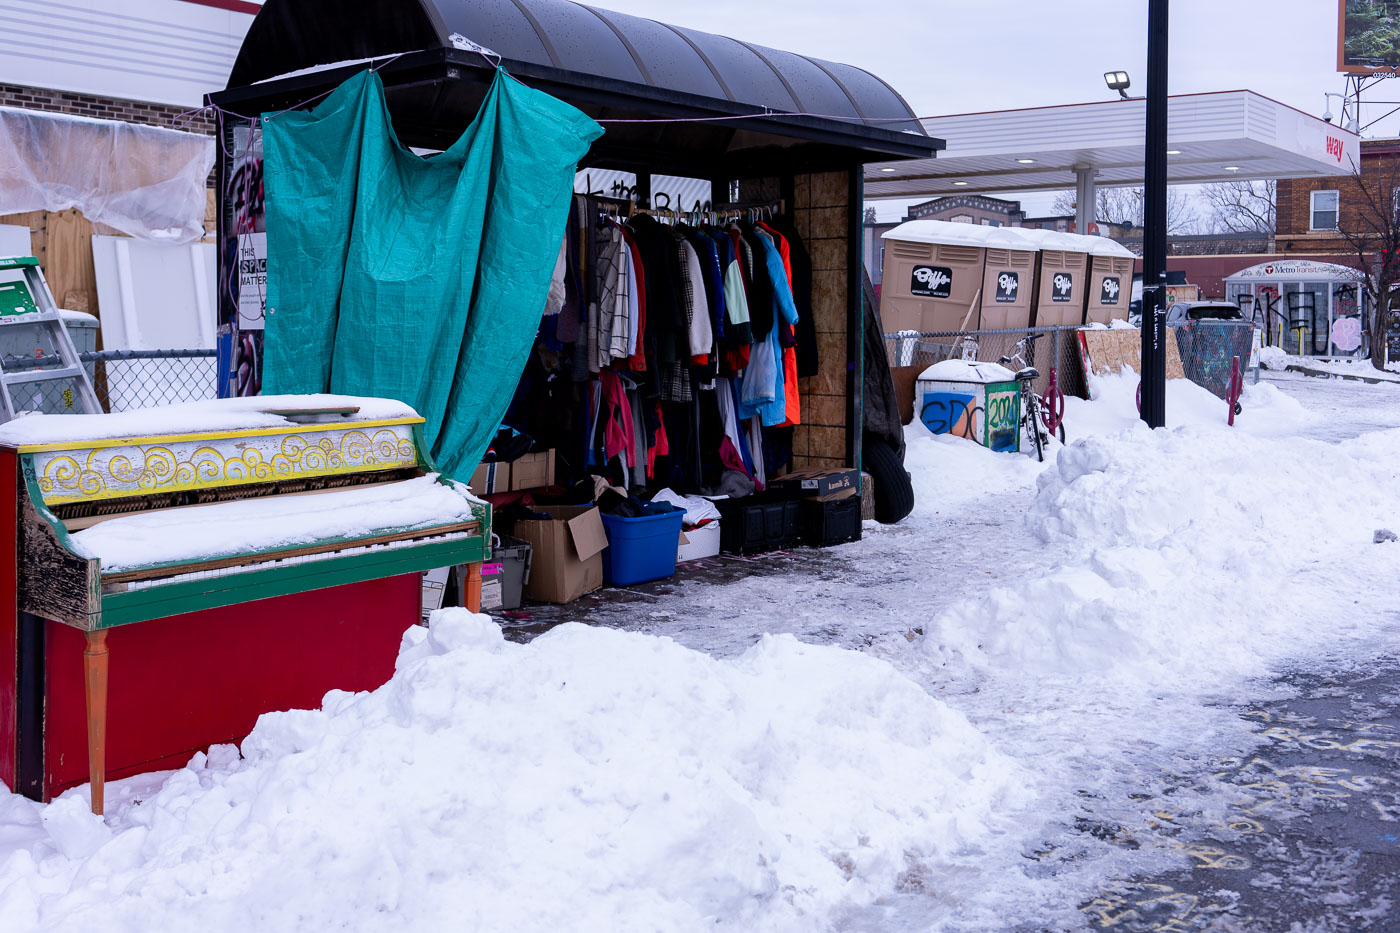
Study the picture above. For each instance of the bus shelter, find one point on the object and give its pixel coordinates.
(1304, 306)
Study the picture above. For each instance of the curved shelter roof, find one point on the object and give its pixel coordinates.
(1296, 270)
(608, 64)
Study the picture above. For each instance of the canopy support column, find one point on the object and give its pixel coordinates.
(1086, 194)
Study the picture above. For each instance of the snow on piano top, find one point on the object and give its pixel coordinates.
(221, 529)
(259, 412)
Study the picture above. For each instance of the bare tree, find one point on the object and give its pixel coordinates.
(1124, 206)
(1242, 206)
(1370, 223)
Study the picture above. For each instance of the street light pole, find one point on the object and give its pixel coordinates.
(1154, 234)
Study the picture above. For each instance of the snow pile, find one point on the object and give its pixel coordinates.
(590, 780)
(947, 470)
(967, 371)
(1273, 358)
(1187, 556)
(223, 414)
(245, 525)
(1263, 408)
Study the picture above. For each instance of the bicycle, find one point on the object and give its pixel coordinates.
(1042, 416)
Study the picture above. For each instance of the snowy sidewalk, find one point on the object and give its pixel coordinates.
(938, 727)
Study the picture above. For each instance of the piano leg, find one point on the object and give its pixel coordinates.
(473, 594)
(95, 664)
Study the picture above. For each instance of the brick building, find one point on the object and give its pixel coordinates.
(1311, 211)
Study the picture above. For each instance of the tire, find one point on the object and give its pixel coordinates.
(1033, 429)
(894, 493)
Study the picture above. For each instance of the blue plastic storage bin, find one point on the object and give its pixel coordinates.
(641, 549)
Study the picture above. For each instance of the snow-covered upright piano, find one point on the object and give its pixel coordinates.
(230, 557)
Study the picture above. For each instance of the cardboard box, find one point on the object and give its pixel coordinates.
(699, 542)
(434, 587)
(490, 477)
(532, 470)
(566, 558)
(820, 484)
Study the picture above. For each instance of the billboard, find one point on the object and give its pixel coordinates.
(1368, 36)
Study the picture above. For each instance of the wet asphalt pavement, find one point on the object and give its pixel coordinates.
(1304, 835)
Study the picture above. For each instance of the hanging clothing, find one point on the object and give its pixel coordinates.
(736, 303)
(697, 312)
(776, 411)
(618, 434)
(808, 360)
(637, 359)
(554, 303)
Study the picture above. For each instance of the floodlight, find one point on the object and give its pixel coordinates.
(1118, 81)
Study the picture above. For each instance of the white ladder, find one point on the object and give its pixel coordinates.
(26, 302)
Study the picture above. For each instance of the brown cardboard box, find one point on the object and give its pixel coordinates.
(490, 477)
(819, 484)
(532, 470)
(567, 553)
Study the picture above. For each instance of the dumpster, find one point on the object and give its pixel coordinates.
(1110, 281)
(978, 401)
(1061, 269)
(936, 274)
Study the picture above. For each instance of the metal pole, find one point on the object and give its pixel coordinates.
(1085, 194)
(1154, 234)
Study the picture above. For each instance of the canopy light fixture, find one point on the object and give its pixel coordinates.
(1026, 161)
(1232, 168)
(887, 169)
(959, 183)
(1118, 81)
(1173, 152)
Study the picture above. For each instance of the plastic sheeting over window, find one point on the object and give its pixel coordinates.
(145, 181)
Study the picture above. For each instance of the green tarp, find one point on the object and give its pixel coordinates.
(417, 279)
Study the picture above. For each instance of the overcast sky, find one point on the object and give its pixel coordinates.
(960, 56)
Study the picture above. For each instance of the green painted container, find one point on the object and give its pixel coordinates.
(978, 401)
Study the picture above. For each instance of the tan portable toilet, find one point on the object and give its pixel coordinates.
(1061, 269)
(1110, 284)
(1008, 282)
(932, 276)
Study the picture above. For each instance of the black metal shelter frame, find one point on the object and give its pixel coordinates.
(703, 106)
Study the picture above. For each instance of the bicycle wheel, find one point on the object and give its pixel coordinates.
(1032, 422)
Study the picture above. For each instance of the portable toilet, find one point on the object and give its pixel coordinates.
(1110, 285)
(933, 274)
(1008, 284)
(1062, 266)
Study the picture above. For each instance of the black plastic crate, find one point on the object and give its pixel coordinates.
(834, 521)
(759, 523)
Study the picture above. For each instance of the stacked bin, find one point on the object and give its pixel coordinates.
(938, 277)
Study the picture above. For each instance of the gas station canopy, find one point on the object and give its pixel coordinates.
(1214, 137)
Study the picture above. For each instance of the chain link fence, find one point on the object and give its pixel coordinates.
(123, 380)
(1056, 346)
(1205, 349)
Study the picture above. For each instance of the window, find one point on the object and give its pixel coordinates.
(1395, 203)
(961, 218)
(1324, 210)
